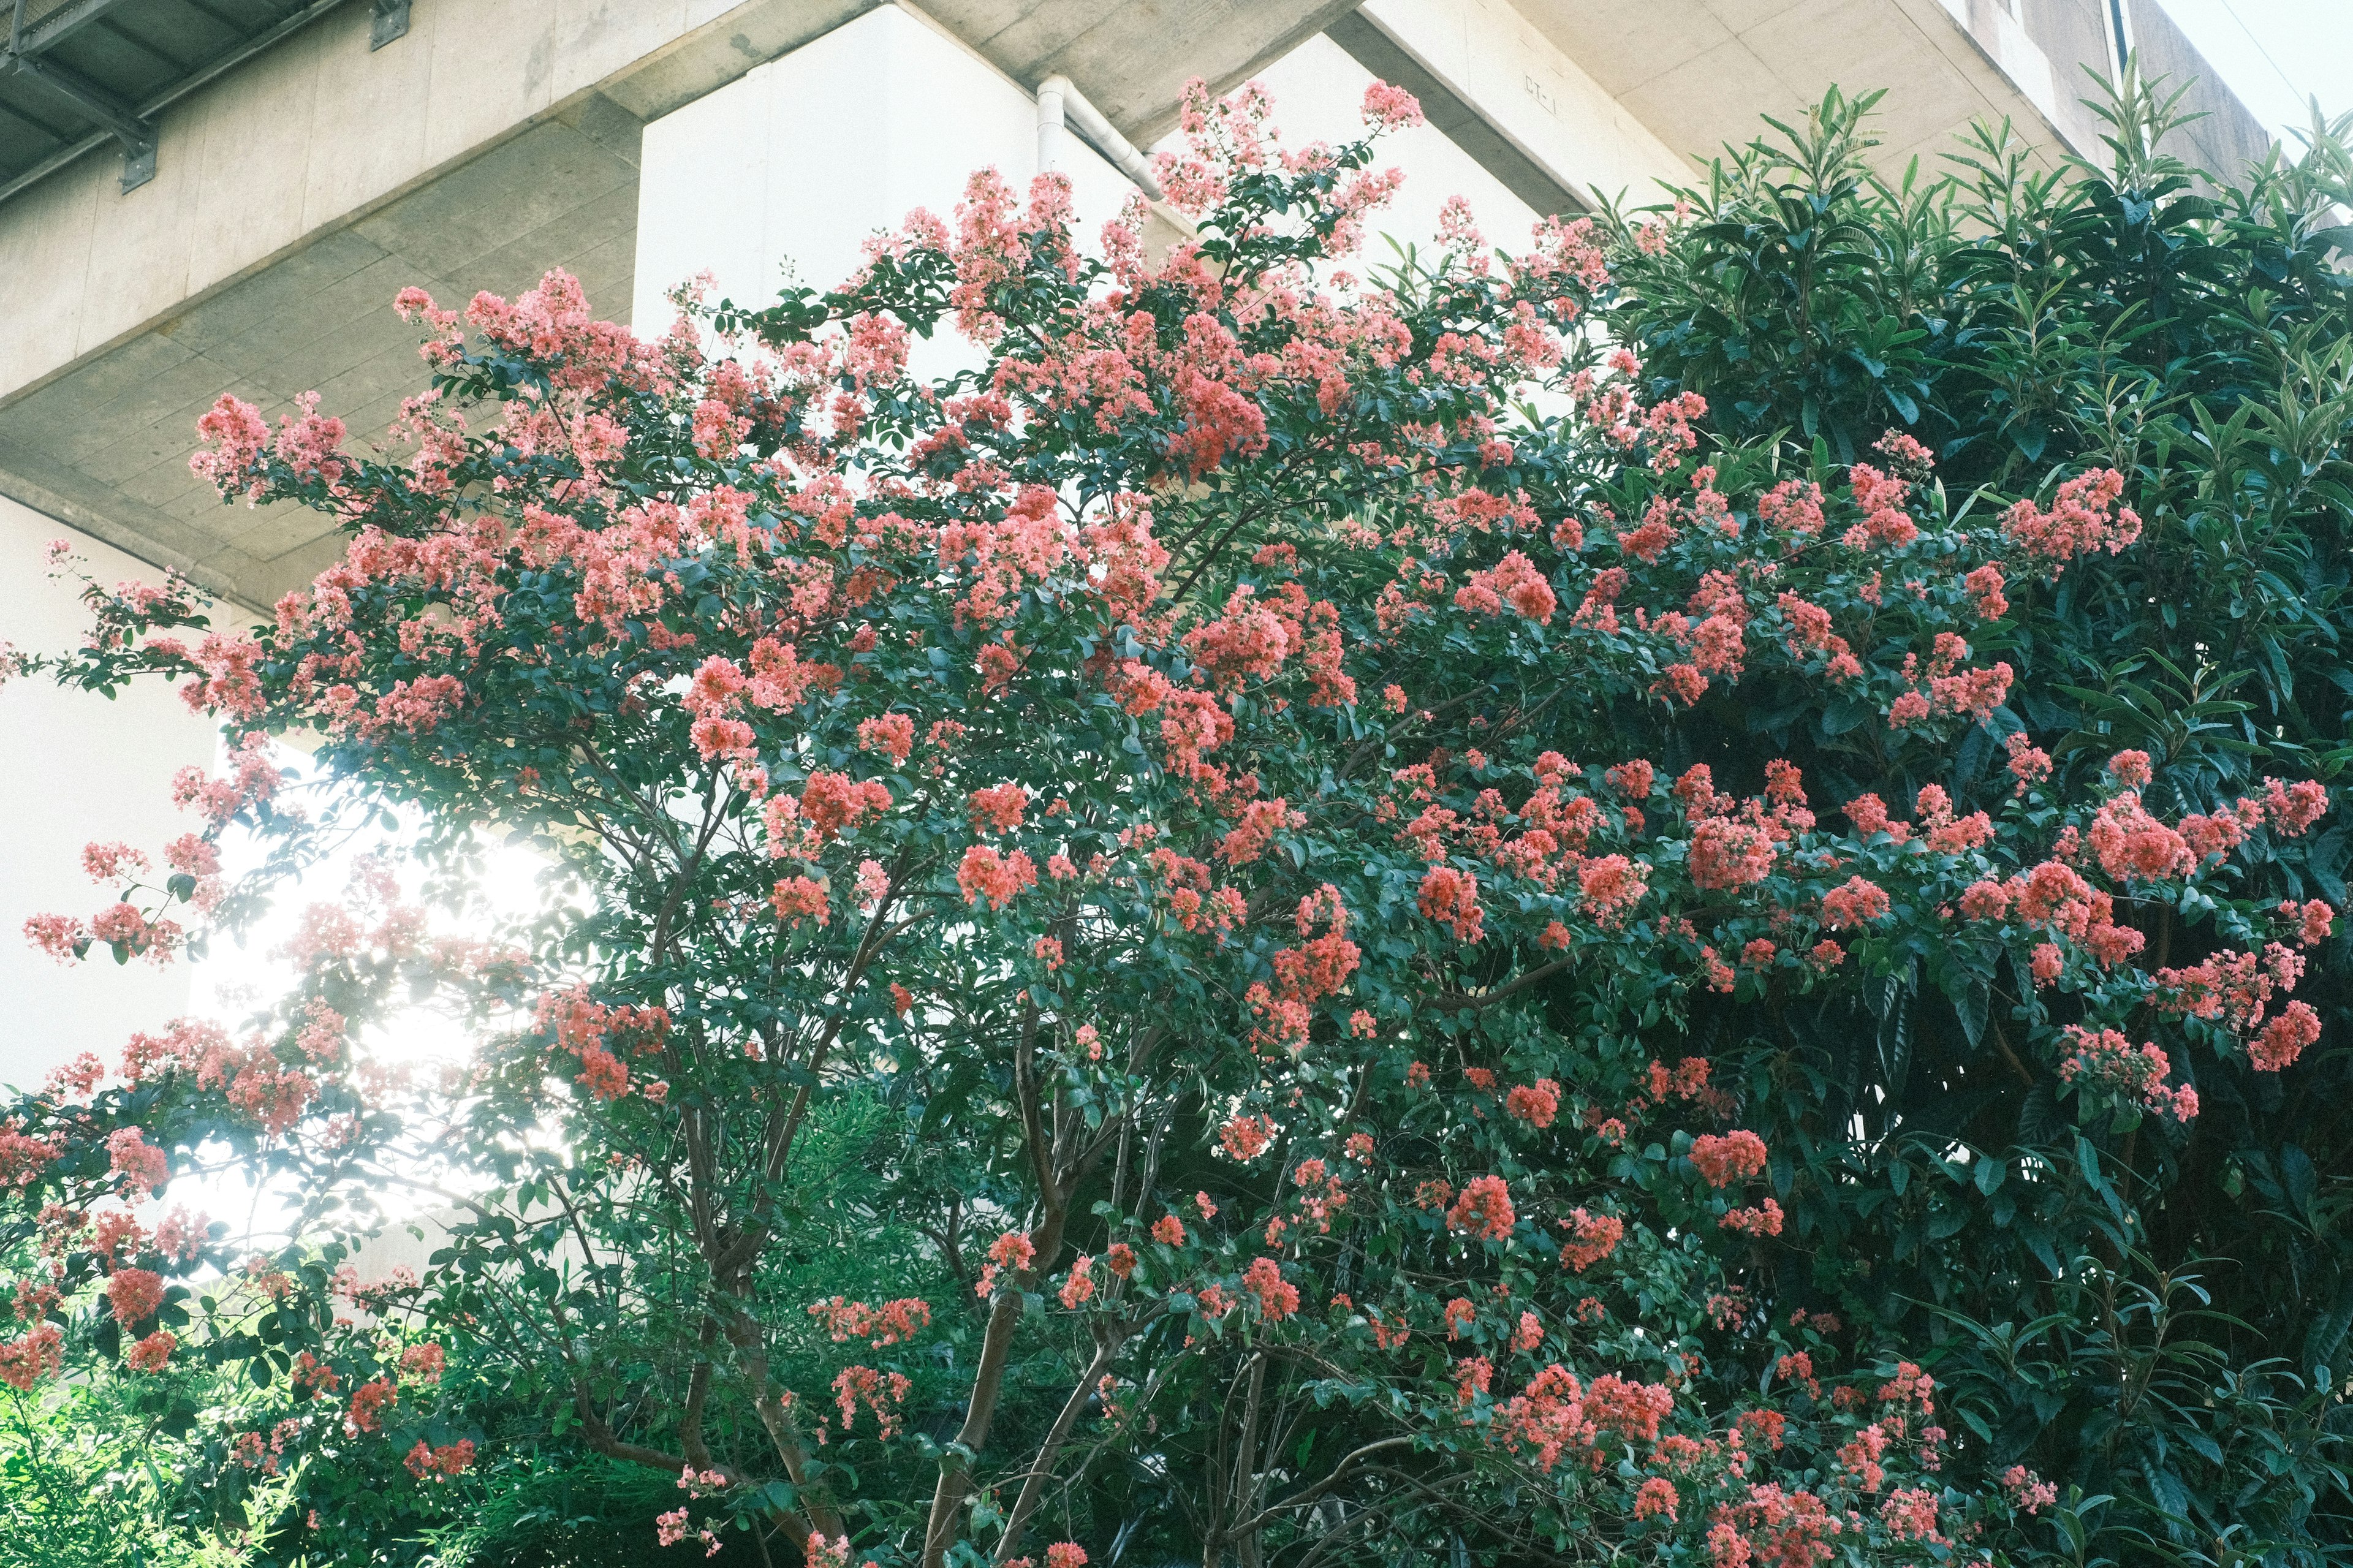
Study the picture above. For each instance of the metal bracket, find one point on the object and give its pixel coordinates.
(387, 20)
(24, 50)
(123, 123)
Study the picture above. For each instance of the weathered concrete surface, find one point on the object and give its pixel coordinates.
(1699, 72)
(74, 768)
(502, 137)
(104, 446)
(294, 197)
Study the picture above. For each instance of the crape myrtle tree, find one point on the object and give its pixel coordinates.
(1310, 918)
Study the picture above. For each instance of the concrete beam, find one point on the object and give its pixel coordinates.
(295, 197)
(496, 140)
(104, 444)
(1133, 58)
(1537, 101)
(499, 138)
(1697, 73)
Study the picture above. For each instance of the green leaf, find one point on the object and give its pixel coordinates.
(1972, 1004)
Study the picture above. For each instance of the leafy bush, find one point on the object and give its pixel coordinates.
(2163, 1318)
(87, 1471)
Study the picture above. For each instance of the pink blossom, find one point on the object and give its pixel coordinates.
(1723, 1160)
(1591, 1238)
(2083, 518)
(1534, 1103)
(1763, 1220)
(134, 1294)
(1484, 1210)
(1277, 1297)
(1854, 902)
(140, 1166)
(1388, 108)
(151, 1353)
(986, 874)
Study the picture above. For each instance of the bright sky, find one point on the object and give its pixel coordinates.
(2275, 54)
(235, 977)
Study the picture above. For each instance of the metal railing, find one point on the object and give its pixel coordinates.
(31, 55)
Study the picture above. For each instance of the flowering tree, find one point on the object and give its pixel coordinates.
(1160, 947)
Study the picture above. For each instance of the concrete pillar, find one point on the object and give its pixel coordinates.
(75, 767)
(800, 161)
(1319, 94)
(787, 171)
(1530, 94)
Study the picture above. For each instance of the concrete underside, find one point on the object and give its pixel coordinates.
(98, 419)
(105, 446)
(501, 137)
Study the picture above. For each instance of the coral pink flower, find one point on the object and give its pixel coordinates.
(1484, 1210)
(1277, 1297)
(1534, 1103)
(1591, 1238)
(1854, 902)
(1731, 1157)
(986, 874)
(153, 1353)
(141, 1167)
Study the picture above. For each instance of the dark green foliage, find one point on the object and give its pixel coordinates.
(2158, 1317)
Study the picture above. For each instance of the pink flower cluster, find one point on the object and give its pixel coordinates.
(2135, 1073)
(1729, 1157)
(2083, 517)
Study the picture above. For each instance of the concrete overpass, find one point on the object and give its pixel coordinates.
(465, 144)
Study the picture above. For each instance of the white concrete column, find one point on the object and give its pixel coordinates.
(74, 768)
(1538, 98)
(804, 158)
(1319, 96)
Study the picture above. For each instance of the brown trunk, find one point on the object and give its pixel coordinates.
(987, 1383)
(1033, 1490)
